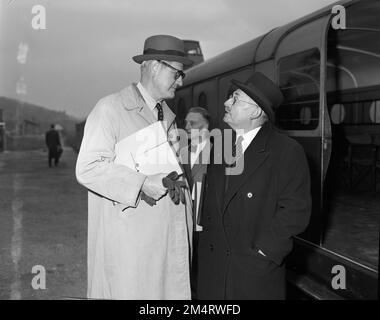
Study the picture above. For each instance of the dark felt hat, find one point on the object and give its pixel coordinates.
(263, 91)
(164, 47)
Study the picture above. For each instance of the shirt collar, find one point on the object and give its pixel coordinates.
(151, 103)
(194, 155)
(248, 137)
(201, 145)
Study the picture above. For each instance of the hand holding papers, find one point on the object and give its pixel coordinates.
(148, 151)
(175, 186)
(153, 188)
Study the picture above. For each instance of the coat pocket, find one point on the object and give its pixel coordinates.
(263, 260)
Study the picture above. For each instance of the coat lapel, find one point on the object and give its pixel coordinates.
(254, 156)
(169, 117)
(217, 177)
(133, 100)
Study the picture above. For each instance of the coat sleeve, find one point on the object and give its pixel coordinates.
(293, 207)
(95, 168)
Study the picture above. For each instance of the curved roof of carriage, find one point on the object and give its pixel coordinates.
(256, 50)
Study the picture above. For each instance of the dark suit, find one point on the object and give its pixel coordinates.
(53, 143)
(195, 177)
(261, 209)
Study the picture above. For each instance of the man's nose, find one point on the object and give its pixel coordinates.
(187, 127)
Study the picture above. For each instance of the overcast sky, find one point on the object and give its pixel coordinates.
(85, 52)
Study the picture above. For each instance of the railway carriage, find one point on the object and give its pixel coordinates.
(330, 78)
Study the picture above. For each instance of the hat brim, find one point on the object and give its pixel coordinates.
(145, 57)
(258, 97)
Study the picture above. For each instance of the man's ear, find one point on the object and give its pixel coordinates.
(154, 65)
(256, 113)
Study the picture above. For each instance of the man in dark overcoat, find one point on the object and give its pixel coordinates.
(249, 219)
(53, 144)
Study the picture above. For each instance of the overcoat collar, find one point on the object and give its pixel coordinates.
(134, 101)
(254, 156)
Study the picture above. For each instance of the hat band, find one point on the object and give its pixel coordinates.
(167, 52)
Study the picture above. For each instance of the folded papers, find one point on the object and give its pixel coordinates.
(148, 151)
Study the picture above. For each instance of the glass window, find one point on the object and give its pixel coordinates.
(299, 83)
(374, 111)
(192, 47)
(338, 113)
(202, 101)
(352, 183)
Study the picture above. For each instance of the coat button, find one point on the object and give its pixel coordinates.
(228, 252)
(249, 195)
(211, 247)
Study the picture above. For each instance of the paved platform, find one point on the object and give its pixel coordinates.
(43, 221)
(352, 227)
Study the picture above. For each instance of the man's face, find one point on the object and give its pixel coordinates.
(240, 109)
(165, 78)
(196, 125)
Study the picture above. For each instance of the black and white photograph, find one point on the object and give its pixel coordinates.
(189, 155)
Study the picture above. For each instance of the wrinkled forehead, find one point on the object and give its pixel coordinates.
(194, 116)
(175, 64)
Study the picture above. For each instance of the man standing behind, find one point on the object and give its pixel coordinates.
(198, 150)
(53, 143)
(195, 160)
(136, 250)
(249, 219)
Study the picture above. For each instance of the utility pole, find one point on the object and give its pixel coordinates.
(2, 132)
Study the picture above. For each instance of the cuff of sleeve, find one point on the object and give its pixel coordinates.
(133, 198)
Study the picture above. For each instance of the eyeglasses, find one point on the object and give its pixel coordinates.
(234, 99)
(179, 73)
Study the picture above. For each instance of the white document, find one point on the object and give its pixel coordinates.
(198, 197)
(148, 151)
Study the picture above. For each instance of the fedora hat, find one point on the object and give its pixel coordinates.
(263, 91)
(163, 47)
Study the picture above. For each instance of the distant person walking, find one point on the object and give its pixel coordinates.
(53, 143)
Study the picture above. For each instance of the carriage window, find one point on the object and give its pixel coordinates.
(338, 113)
(202, 101)
(352, 184)
(358, 113)
(299, 83)
(374, 111)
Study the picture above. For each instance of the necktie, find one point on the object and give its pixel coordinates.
(237, 153)
(160, 113)
(238, 148)
(192, 148)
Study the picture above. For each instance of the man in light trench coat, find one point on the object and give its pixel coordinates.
(135, 251)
